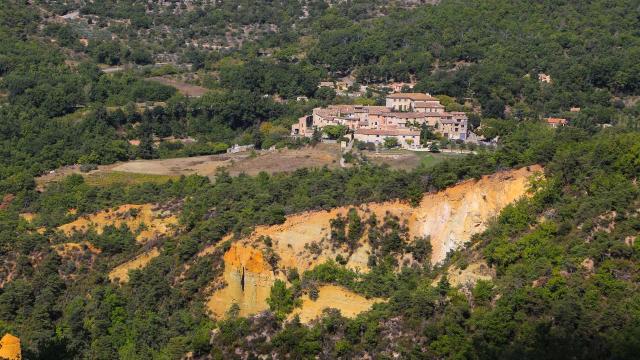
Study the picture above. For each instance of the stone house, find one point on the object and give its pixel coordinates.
(407, 138)
(407, 101)
(454, 126)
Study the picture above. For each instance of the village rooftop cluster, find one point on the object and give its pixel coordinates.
(401, 118)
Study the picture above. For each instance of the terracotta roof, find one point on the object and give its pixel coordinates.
(552, 120)
(388, 132)
(412, 96)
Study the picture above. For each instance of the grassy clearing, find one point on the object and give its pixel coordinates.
(431, 159)
(401, 159)
(106, 178)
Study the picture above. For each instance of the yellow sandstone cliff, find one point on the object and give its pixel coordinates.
(450, 217)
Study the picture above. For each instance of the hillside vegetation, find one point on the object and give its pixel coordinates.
(119, 269)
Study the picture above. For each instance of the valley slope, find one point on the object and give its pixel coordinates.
(448, 218)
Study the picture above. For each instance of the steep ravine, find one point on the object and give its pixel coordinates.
(450, 217)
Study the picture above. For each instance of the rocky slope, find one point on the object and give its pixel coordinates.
(450, 217)
(156, 221)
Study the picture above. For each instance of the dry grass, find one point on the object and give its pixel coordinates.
(107, 178)
(286, 160)
(162, 170)
(407, 160)
(201, 165)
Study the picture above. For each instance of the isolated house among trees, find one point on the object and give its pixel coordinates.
(556, 122)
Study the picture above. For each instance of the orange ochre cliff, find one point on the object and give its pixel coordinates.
(10, 347)
(450, 217)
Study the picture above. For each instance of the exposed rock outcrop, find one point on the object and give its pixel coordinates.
(450, 217)
(349, 303)
(121, 272)
(248, 279)
(10, 348)
(453, 215)
(155, 221)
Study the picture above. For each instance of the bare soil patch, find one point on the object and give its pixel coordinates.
(201, 165)
(150, 221)
(286, 160)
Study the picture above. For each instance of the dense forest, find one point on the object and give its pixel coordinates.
(566, 260)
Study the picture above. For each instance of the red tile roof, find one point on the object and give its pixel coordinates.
(559, 121)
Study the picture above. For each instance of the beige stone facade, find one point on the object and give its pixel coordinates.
(405, 111)
(406, 138)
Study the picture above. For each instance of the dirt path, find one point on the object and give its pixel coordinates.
(286, 160)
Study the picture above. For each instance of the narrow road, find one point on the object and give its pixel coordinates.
(347, 148)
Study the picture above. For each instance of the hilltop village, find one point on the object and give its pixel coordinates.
(402, 118)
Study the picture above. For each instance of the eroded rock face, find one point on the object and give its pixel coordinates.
(453, 215)
(133, 216)
(349, 303)
(248, 279)
(450, 217)
(121, 272)
(10, 347)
